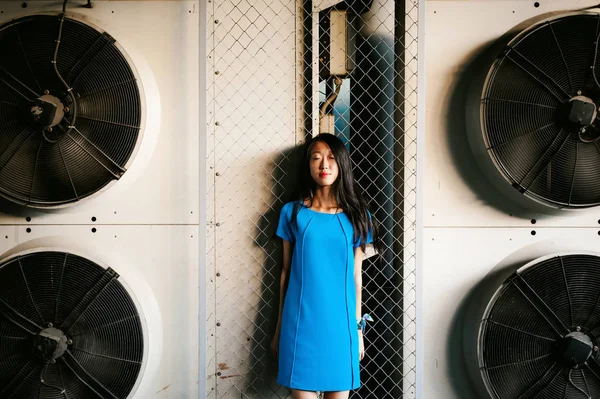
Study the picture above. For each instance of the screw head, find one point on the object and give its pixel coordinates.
(218, 274)
(217, 224)
(578, 328)
(53, 361)
(46, 91)
(216, 72)
(216, 21)
(67, 109)
(50, 325)
(579, 92)
(49, 129)
(595, 349)
(70, 342)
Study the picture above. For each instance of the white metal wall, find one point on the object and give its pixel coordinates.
(147, 223)
(469, 231)
(251, 122)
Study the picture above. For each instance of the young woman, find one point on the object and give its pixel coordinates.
(319, 336)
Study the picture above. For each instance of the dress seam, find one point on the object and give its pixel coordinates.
(347, 310)
(300, 302)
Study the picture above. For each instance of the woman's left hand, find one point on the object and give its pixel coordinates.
(361, 346)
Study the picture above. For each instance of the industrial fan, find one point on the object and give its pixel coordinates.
(70, 111)
(540, 333)
(68, 329)
(539, 121)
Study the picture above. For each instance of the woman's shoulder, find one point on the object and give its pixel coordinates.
(288, 208)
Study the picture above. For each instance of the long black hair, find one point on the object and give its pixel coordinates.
(346, 190)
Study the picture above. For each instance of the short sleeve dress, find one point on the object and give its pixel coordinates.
(318, 343)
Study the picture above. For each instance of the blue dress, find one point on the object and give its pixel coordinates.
(318, 344)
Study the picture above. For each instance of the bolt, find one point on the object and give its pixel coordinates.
(67, 109)
(578, 92)
(217, 124)
(53, 361)
(218, 174)
(49, 129)
(70, 342)
(46, 91)
(216, 21)
(595, 349)
(218, 224)
(219, 324)
(218, 274)
(578, 328)
(218, 373)
(216, 72)
(50, 325)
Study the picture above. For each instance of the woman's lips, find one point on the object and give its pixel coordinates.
(324, 174)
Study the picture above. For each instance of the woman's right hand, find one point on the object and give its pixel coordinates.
(275, 344)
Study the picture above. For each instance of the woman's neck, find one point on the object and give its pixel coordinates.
(323, 199)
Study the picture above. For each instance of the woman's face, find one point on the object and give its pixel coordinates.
(323, 166)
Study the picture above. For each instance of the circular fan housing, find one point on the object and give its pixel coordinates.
(64, 136)
(539, 112)
(68, 329)
(540, 332)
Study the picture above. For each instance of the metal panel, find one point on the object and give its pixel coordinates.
(456, 192)
(456, 261)
(160, 266)
(161, 186)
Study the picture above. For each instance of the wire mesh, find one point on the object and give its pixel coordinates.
(261, 97)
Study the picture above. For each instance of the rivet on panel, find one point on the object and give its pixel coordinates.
(217, 124)
(218, 174)
(216, 21)
(219, 324)
(217, 224)
(216, 72)
(218, 274)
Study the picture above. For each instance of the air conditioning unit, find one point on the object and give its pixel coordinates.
(510, 149)
(99, 174)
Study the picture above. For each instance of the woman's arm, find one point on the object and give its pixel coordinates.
(358, 260)
(283, 280)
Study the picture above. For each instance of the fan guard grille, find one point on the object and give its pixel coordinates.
(89, 306)
(534, 97)
(533, 332)
(43, 168)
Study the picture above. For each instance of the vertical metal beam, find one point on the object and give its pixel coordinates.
(420, 202)
(315, 73)
(201, 233)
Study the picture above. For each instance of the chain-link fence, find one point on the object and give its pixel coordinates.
(269, 78)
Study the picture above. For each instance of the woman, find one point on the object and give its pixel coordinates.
(319, 336)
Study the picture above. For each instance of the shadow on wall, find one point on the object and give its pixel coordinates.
(463, 119)
(260, 381)
(461, 352)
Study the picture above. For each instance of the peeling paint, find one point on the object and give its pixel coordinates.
(223, 366)
(164, 389)
(230, 376)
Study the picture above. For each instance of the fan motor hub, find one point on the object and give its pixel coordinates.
(47, 111)
(581, 111)
(575, 349)
(50, 344)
